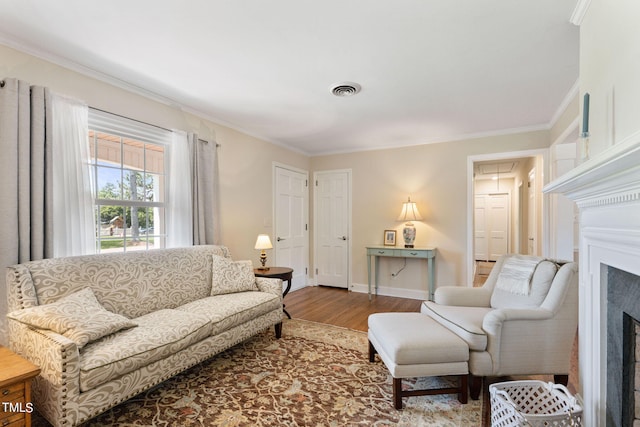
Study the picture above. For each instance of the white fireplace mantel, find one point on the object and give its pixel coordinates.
(606, 190)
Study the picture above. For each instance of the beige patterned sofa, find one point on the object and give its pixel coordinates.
(106, 327)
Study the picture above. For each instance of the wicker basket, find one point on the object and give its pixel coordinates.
(533, 403)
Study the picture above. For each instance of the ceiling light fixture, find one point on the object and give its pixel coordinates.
(346, 89)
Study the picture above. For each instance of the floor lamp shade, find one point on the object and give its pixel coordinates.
(409, 213)
(263, 242)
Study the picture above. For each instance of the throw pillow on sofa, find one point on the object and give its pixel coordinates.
(79, 317)
(232, 276)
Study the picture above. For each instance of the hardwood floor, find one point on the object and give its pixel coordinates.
(340, 307)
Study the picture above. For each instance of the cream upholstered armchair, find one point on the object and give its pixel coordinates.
(523, 321)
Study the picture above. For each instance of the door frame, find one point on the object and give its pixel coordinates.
(545, 232)
(350, 226)
(274, 195)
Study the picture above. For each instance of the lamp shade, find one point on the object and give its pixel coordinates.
(409, 212)
(263, 242)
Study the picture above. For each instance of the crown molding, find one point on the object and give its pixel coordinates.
(579, 12)
(569, 97)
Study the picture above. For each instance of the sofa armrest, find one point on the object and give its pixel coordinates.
(270, 285)
(462, 296)
(59, 361)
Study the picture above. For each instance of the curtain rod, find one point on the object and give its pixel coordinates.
(135, 120)
(129, 118)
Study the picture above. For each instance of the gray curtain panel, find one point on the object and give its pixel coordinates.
(26, 191)
(204, 179)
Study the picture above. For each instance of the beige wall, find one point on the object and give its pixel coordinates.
(435, 176)
(609, 70)
(245, 162)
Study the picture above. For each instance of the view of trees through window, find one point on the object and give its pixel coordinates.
(129, 176)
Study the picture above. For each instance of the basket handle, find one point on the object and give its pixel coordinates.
(563, 389)
(503, 394)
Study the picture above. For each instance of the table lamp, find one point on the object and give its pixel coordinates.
(263, 242)
(409, 213)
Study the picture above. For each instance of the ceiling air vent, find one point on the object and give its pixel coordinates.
(346, 89)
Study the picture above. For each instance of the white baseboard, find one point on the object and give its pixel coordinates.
(382, 290)
(391, 291)
(295, 288)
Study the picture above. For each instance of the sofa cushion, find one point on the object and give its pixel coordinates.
(541, 281)
(231, 276)
(466, 322)
(79, 317)
(159, 334)
(229, 310)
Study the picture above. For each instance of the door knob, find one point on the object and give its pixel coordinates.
(279, 238)
(343, 238)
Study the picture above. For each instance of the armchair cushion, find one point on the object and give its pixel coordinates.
(463, 296)
(466, 322)
(540, 284)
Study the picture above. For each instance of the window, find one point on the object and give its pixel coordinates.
(129, 166)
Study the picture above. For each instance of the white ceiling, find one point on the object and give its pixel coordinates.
(430, 70)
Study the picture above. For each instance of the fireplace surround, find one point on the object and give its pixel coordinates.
(606, 189)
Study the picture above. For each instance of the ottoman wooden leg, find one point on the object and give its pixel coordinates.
(397, 393)
(372, 352)
(463, 396)
(476, 387)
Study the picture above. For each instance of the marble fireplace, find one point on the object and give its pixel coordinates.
(606, 189)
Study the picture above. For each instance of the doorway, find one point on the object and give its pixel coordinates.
(505, 212)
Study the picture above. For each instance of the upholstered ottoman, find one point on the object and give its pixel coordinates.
(414, 345)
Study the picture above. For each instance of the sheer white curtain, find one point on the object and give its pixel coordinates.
(73, 208)
(179, 211)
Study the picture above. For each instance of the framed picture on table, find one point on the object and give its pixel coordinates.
(389, 237)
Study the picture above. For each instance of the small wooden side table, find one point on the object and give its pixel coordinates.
(15, 388)
(283, 273)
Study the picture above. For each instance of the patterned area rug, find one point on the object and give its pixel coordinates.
(315, 375)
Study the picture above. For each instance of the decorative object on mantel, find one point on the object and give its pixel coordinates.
(585, 116)
(263, 242)
(409, 213)
(584, 135)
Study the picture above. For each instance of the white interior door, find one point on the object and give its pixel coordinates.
(332, 227)
(291, 233)
(499, 225)
(492, 222)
